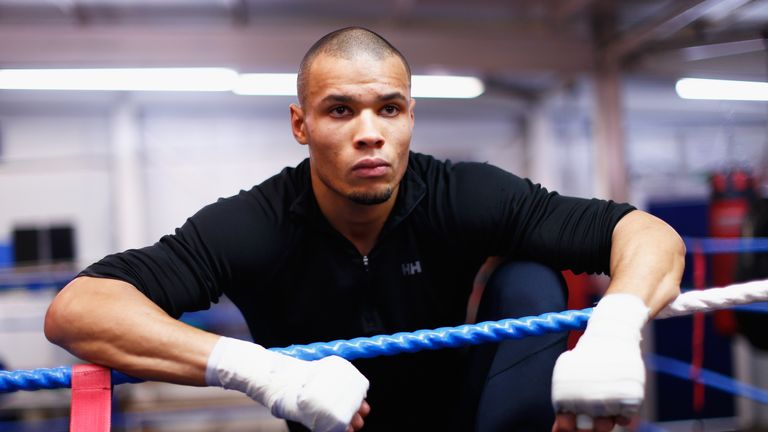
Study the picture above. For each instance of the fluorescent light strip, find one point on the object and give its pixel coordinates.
(266, 84)
(424, 86)
(446, 86)
(698, 88)
(128, 79)
(207, 80)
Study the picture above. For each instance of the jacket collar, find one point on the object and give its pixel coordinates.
(412, 191)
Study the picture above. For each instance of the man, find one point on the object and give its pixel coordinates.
(366, 238)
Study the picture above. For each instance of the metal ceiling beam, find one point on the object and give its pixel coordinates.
(567, 9)
(240, 12)
(681, 16)
(273, 47)
(708, 51)
(712, 46)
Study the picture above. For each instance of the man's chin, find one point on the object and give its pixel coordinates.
(371, 197)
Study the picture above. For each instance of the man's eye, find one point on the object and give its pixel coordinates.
(339, 110)
(390, 109)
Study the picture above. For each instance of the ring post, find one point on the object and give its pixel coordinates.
(91, 399)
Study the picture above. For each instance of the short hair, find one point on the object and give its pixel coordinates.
(347, 43)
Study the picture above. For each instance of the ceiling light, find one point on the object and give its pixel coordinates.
(129, 79)
(445, 86)
(207, 80)
(697, 88)
(424, 86)
(266, 84)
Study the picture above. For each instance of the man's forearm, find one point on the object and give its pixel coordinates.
(603, 377)
(111, 323)
(647, 260)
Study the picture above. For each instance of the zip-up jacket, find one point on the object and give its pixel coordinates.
(297, 280)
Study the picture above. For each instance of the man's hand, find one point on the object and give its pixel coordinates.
(572, 422)
(326, 395)
(357, 420)
(603, 377)
(602, 380)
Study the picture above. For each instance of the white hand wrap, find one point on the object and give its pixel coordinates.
(323, 395)
(604, 374)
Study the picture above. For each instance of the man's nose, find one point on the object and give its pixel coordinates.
(368, 131)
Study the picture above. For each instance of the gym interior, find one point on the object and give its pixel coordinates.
(590, 98)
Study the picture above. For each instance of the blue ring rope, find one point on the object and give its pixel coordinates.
(709, 378)
(449, 337)
(445, 337)
(387, 345)
(713, 245)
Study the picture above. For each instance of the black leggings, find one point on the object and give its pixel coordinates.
(508, 384)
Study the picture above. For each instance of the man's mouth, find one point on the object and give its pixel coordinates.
(371, 167)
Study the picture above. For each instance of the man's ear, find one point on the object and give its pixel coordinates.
(298, 125)
(411, 111)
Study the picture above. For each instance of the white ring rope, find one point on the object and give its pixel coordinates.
(704, 300)
(716, 298)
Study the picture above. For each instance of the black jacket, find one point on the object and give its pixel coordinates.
(297, 280)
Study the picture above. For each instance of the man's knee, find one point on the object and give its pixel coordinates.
(508, 382)
(518, 288)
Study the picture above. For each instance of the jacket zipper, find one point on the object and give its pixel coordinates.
(371, 321)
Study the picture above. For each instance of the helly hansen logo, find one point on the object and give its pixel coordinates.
(411, 268)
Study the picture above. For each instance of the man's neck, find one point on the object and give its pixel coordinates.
(360, 224)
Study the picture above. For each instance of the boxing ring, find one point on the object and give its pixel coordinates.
(92, 385)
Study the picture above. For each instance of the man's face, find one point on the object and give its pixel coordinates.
(357, 119)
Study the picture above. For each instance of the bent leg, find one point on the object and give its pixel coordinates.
(509, 383)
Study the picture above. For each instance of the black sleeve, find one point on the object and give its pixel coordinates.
(225, 243)
(174, 273)
(510, 216)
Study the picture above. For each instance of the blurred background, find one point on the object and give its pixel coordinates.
(579, 95)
